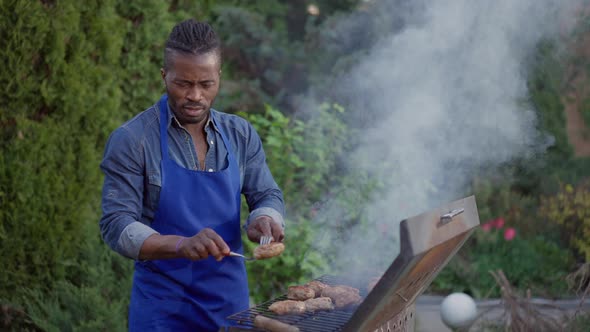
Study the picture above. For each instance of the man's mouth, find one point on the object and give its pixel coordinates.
(193, 110)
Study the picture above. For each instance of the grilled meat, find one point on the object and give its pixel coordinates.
(269, 324)
(287, 307)
(319, 304)
(317, 286)
(269, 250)
(343, 296)
(300, 293)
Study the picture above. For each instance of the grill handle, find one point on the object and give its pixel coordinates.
(448, 217)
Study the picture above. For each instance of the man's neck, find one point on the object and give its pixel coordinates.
(197, 130)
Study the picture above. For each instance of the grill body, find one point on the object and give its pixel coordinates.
(427, 242)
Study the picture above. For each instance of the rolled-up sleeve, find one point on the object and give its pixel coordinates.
(259, 187)
(122, 196)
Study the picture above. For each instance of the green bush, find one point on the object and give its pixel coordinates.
(302, 157)
(570, 209)
(94, 297)
(545, 87)
(579, 323)
(60, 80)
(500, 198)
(73, 71)
(528, 263)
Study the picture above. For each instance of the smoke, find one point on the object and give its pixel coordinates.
(441, 94)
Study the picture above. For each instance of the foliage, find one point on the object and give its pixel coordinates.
(570, 208)
(257, 55)
(274, 50)
(544, 83)
(302, 156)
(535, 259)
(579, 65)
(579, 323)
(60, 91)
(496, 197)
(63, 93)
(529, 263)
(73, 71)
(94, 300)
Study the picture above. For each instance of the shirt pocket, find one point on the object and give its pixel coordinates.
(154, 185)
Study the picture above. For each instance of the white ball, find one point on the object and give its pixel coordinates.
(458, 310)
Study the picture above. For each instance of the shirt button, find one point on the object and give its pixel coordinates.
(211, 142)
(210, 169)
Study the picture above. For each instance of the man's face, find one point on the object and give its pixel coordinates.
(192, 83)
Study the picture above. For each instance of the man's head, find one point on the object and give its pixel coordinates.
(191, 72)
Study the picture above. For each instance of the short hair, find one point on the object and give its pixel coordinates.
(192, 37)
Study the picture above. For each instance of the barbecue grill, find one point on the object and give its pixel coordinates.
(427, 242)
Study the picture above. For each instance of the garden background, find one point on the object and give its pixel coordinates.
(75, 70)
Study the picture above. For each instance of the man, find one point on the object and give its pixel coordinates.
(172, 201)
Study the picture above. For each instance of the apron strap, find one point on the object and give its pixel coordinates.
(163, 106)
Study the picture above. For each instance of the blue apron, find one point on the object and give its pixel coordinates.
(179, 294)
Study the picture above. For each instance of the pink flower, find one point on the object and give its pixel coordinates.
(509, 233)
(487, 226)
(499, 223)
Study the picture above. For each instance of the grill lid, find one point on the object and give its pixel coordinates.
(428, 242)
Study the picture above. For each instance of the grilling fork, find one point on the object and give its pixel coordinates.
(247, 259)
(265, 239)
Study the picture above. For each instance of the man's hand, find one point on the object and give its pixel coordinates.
(265, 225)
(205, 243)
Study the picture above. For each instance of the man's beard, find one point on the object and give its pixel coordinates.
(181, 113)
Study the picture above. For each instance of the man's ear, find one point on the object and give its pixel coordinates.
(163, 73)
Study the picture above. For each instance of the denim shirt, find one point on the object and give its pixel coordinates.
(131, 165)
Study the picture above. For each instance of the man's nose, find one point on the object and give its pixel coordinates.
(194, 94)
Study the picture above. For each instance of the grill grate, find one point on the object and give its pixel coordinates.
(325, 321)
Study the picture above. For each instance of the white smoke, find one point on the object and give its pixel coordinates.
(445, 95)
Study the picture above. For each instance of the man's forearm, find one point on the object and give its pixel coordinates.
(267, 211)
(158, 246)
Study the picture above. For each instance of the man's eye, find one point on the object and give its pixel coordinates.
(183, 84)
